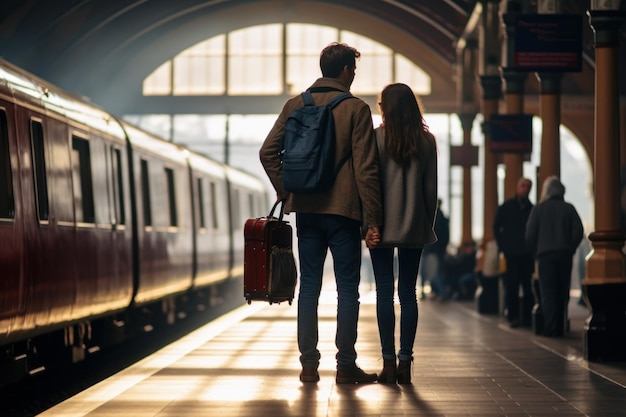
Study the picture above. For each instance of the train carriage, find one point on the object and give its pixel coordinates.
(105, 230)
(66, 256)
(163, 218)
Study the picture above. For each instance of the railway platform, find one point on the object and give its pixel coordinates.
(466, 364)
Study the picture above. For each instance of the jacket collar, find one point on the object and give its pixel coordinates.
(331, 83)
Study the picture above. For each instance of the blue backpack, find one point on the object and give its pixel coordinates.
(308, 151)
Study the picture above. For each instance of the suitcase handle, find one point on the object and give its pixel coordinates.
(282, 210)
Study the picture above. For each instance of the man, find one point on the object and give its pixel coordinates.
(332, 219)
(553, 233)
(509, 229)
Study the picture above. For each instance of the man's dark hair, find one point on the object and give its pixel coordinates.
(336, 56)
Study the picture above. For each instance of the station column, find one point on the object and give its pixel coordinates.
(491, 85)
(550, 112)
(470, 159)
(550, 109)
(514, 81)
(487, 300)
(604, 286)
(466, 155)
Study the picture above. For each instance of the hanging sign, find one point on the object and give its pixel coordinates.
(548, 42)
(511, 133)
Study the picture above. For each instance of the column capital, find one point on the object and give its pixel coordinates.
(606, 25)
(514, 80)
(549, 82)
(492, 87)
(467, 119)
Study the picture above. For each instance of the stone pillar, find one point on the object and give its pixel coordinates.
(604, 285)
(491, 85)
(492, 90)
(488, 293)
(466, 155)
(487, 297)
(513, 94)
(467, 120)
(514, 102)
(550, 112)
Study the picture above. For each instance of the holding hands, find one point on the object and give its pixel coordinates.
(372, 238)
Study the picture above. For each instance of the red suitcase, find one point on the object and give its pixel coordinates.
(269, 269)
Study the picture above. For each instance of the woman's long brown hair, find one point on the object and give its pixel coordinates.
(406, 133)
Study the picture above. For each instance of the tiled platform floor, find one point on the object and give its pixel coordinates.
(466, 364)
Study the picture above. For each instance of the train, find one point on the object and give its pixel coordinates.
(106, 230)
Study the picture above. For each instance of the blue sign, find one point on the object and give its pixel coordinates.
(548, 42)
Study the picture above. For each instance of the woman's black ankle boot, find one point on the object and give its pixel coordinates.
(404, 372)
(389, 372)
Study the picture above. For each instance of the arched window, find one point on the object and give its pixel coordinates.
(277, 59)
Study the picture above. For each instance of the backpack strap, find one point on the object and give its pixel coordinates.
(307, 98)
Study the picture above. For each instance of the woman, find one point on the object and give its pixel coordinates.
(553, 232)
(408, 165)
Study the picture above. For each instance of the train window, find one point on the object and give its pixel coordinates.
(118, 186)
(7, 202)
(214, 206)
(39, 165)
(171, 193)
(82, 180)
(200, 199)
(145, 193)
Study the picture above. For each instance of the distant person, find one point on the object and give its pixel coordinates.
(459, 273)
(553, 233)
(332, 219)
(408, 173)
(434, 253)
(509, 230)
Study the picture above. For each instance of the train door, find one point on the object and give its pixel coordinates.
(11, 220)
(119, 220)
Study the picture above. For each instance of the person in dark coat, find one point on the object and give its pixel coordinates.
(509, 229)
(553, 233)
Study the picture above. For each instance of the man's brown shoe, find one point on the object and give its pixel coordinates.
(309, 374)
(354, 376)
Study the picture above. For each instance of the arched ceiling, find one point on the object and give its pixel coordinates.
(103, 48)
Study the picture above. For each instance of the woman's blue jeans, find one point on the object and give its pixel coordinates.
(316, 234)
(408, 264)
